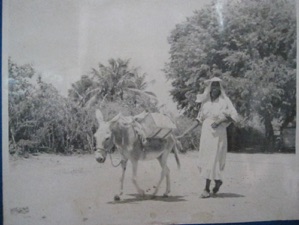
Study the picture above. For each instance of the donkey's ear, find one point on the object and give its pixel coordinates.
(99, 116)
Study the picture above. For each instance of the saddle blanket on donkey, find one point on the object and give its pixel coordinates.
(153, 128)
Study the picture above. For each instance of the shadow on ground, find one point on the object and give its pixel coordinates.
(139, 198)
(227, 195)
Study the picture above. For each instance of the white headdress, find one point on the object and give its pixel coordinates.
(202, 98)
(205, 96)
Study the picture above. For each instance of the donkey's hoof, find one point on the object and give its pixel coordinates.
(165, 195)
(116, 198)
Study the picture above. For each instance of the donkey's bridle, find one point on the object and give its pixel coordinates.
(109, 152)
(103, 150)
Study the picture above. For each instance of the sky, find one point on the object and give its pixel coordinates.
(64, 39)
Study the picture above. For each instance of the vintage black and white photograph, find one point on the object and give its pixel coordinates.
(149, 112)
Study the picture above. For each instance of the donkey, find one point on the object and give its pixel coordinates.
(120, 132)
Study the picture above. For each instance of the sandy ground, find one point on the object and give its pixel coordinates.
(51, 189)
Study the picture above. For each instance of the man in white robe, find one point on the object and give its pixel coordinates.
(216, 113)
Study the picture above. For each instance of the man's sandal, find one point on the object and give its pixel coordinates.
(217, 186)
(205, 194)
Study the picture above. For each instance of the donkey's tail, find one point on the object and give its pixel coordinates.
(176, 145)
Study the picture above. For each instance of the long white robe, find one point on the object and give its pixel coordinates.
(213, 141)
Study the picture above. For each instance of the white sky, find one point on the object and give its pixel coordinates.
(64, 39)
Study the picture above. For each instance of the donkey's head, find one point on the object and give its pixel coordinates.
(104, 138)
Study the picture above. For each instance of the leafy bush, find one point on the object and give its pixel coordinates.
(41, 120)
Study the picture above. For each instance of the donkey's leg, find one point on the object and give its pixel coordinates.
(134, 178)
(124, 167)
(167, 182)
(164, 172)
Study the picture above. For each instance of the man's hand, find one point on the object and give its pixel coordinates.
(227, 115)
(215, 125)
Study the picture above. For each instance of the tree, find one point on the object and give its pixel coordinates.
(62, 125)
(117, 82)
(251, 45)
(82, 90)
(41, 119)
(20, 94)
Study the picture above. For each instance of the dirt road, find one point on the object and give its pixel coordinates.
(51, 189)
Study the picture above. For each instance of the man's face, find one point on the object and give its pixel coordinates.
(215, 89)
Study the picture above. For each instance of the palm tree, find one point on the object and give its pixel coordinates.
(112, 82)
